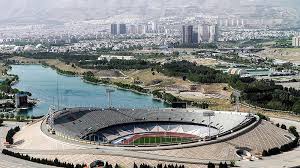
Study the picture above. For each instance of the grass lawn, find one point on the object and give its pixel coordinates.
(160, 140)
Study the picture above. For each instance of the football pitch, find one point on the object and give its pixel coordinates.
(160, 140)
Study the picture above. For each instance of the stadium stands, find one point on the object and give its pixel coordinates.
(109, 125)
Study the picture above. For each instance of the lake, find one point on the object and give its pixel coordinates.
(48, 87)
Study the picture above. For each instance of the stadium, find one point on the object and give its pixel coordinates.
(146, 127)
(190, 137)
(154, 129)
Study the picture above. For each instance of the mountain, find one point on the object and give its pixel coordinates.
(22, 11)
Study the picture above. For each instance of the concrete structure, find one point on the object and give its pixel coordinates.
(21, 100)
(207, 33)
(141, 29)
(237, 71)
(296, 41)
(35, 141)
(122, 29)
(110, 57)
(114, 29)
(117, 29)
(83, 123)
(187, 34)
(258, 136)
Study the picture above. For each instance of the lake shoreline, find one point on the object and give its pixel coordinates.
(59, 71)
(86, 98)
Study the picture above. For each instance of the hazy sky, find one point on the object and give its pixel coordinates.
(15, 10)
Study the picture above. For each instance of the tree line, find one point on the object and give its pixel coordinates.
(54, 162)
(282, 148)
(221, 165)
(120, 64)
(90, 77)
(193, 72)
(158, 166)
(267, 94)
(58, 163)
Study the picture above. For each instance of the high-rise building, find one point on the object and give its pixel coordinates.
(122, 29)
(114, 29)
(216, 38)
(207, 33)
(132, 29)
(153, 27)
(226, 23)
(142, 29)
(187, 34)
(296, 41)
(212, 33)
(117, 29)
(203, 33)
(195, 37)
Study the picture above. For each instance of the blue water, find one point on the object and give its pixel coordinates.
(72, 91)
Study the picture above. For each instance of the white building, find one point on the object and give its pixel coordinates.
(296, 41)
(206, 33)
(110, 57)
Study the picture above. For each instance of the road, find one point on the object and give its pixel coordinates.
(11, 162)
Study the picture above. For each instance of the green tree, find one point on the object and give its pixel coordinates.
(211, 165)
(11, 116)
(18, 118)
(293, 130)
(296, 107)
(283, 127)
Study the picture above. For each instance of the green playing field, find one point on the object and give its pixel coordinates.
(159, 140)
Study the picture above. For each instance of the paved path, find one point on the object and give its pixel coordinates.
(12, 162)
(287, 159)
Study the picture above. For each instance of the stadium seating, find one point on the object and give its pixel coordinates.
(111, 124)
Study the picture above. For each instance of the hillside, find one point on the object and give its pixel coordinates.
(12, 11)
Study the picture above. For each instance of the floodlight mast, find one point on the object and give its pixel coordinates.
(108, 92)
(209, 114)
(237, 95)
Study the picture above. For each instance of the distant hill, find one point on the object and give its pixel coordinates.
(12, 11)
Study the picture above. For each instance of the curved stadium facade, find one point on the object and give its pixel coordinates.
(192, 137)
(148, 127)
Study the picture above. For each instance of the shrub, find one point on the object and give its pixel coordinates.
(10, 134)
(283, 127)
(11, 116)
(262, 117)
(232, 163)
(17, 129)
(158, 166)
(223, 165)
(285, 148)
(274, 151)
(211, 165)
(293, 130)
(265, 153)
